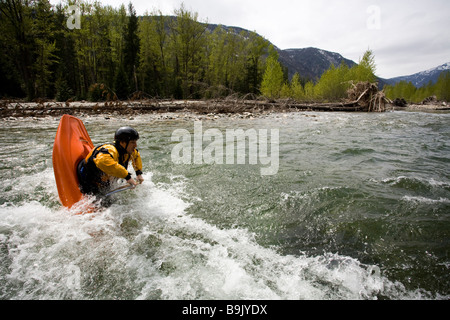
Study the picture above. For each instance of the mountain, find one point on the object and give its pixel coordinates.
(421, 79)
(310, 63)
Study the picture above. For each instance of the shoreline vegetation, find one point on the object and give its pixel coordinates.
(119, 61)
(212, 108)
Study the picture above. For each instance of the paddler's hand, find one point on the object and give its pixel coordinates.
(140, 179)
(132, 182)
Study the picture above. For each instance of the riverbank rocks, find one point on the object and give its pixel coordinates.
(430, 100)
(400, 103)
(366, 100)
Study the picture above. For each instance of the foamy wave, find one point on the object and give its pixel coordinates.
(146, 246)
(425, 200)
(414, 180)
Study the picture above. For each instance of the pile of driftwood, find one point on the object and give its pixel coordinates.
(362, 97)
(367, 96)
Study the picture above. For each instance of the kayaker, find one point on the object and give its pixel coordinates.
(108, 162)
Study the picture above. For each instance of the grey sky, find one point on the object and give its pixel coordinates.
(406, 36)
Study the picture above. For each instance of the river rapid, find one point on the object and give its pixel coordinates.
(356, 206)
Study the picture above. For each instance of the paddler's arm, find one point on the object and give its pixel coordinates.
(137, 165)
(107, 162)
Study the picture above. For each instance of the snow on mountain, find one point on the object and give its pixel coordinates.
(311, 63)
(422, 78)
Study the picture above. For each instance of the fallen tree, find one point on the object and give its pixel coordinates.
(362, 97)
(367, 96)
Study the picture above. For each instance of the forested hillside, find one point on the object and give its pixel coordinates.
(406, 90)
(114, 54)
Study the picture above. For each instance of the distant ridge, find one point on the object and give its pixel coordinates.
(422, 78)
(311, 63)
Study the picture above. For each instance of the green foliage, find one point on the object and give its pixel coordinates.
(442, 89)
(225, 67)
(365, 70)
(310, 93)
(402, 89)
(297, 91)
(44, 47)
(131, 49)
(332, 86)
(407, 91)
(254, 49)
(160, 55)
(273, 78)
(121, 84)
(335, 82)
(63, 91)
(17, 35)
(188, 45)
(164, 56)
(99, 92)
(152, 71)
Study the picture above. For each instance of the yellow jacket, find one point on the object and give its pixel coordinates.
(114, 163)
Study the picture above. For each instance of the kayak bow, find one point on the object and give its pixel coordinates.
(72, 144)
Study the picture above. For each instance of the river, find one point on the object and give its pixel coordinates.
(354, 206)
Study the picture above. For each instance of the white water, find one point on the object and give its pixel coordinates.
(147, 247)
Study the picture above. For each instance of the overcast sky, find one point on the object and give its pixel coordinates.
(406, 36)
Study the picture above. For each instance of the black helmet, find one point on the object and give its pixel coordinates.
(126, 134)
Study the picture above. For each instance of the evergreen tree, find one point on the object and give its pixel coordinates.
(148, 72)
(333, 83)
(256, 48)
(121, 84)
(131, 49)
(11, 79)
(189, 43)
(217, 72)
(117, 31)
(166, 56)
(153, 72)
(297, 91)
(63, 91)
(65, 55)
(407, 91)
(18, 40)
(44, 46)
(403, 90)
(161, 39)
(310, 94)
(286, 91)
(104, 64)
(443, 86)
(273, 78)
(365, 70)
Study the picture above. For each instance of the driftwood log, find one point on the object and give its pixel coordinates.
(20, 109)
(367, 96)
(362, 97)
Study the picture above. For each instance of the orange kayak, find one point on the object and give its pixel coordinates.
(72, 144)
